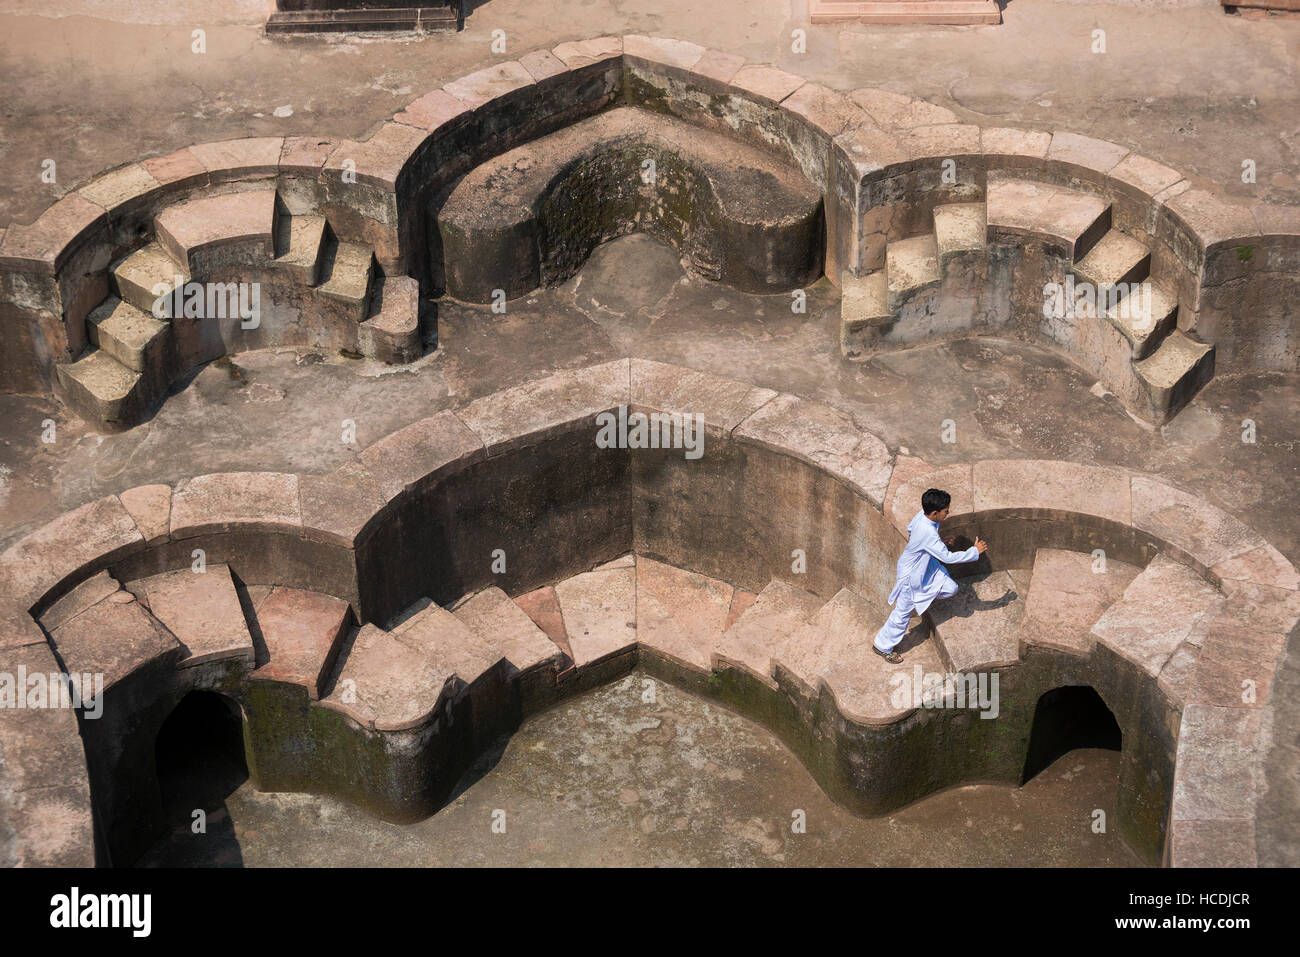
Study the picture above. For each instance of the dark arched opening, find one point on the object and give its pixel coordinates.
(1065, 719)
(199, 754)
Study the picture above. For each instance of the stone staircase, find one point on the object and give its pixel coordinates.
(940, 285)
(144, 336)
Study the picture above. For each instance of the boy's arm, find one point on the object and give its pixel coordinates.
(935, 546)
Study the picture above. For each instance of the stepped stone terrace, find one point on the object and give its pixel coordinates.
(365, 506)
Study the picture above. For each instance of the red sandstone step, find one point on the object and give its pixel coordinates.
(938, 12)
(1175, 372)
(104, 391)
(389, 685)
(599, 609)
(131, 336)
(979, 627)
(449, 644)
(346, 273)
(912, 266)
(303, 632)
(508, 632)
(1155, 614)
(1068, 592)
(1116, 259)
(138, 275)
(680, 615)
(835, 647)
(959, 228)
(759, 634)
(202, 610)
(1068, 220)
(208, 234)
(114, 637)
(300, 246)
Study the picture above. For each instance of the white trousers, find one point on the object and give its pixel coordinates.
(895, 626)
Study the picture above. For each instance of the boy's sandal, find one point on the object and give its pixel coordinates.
(893, 657)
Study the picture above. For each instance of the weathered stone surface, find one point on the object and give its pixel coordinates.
(40, 745)
(244, 157)
(303, 631)
(897, 112)
(1217, 750)
(1212, 844)
(718, 65)
(337, 507)
(766, 83)
(1065, 220)
(1178, 673)
(395, 685)
(1067, 595)
(542, 65)
(119, 187)
(825, 437)
(48, 242)
(113, 638)
(658, 50)
(305, 154)
(956, 480)
(1155, 614)
(599, 609)
(181, 169)
(758, 635)
(435, 446)
(543, 608)
(828, 110)
(226, 501)
(1145, 174)
(1208, 534)
(724, 403)
(1264, 565)
(92, 535)
(1005, 141)
(869, 149)
(941, 139)
(1212, 219)
(980, 625)
(202, 610)
(54, 826)
(580, 53)
(17, 628)
(90, 592)
(505, 628)
(433, 111)
(680, 614)
(151, 508)
(203, 232)
(1058, 486)
(1085, 151)
(530, 413)
(488, 84)
(378, 161)
(1237, 662)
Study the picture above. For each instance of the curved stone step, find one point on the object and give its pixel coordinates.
(1156, 614)
(1068, 221)
(1174, 373)
(979, 627)
(508, 632)
(392, 333)
(134, 338)
(346, 273)
(102, 390)
(959, 228)
(202, 610)
(1067, 595)
(758, 635)
(1116, 259)
(1145, 319)
(599, 609)
(835, 646)
(912, 266)
(300, 246)
(116, 637)
(216, 232)
(680, 615)
(303, 632)
(864, 311)
(146, 275)
(950, 12)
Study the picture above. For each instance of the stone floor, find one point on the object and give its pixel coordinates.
(94, 84)
(609, 780)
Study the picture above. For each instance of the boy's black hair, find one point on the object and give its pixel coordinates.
(934, 500)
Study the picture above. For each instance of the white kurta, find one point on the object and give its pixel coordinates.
(921, 578)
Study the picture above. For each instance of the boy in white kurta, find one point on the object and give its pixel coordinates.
(921, 575)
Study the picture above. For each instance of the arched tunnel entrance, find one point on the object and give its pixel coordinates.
(199, 755)
(1065, 719)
